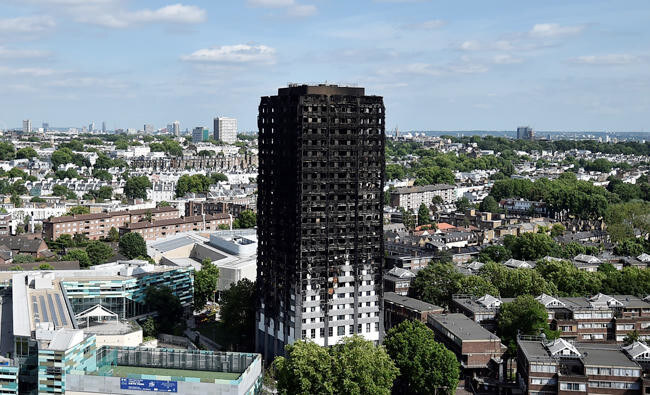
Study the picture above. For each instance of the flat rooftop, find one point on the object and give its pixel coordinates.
(411, 303)
(462, 327)
(138, 372)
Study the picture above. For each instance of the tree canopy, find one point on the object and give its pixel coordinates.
(425, 366)
(205, 283)
(132, 245)
(353, 366)
(136, 187)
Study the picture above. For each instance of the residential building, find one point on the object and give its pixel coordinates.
(232, 206)
(97, 226)
(27, 126)
(33, 246)
(5, 224)
(410, 198)
(154, 230)
(225, 129)
(200, 134)
(398, 308)
(479, 351)
(321, 175)
(515, 206)
(398, 280)
(525, 133)
(562, 367)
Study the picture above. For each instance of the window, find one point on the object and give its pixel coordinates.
(340, 330)
(573, 386)
(542, 368)
(330, 331)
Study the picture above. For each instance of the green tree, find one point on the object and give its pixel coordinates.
(360, 367)
(490, 205)
(77, 210)
(462, 204)
(423, 215)
(531, 246)
(408, 219)
(98, 252)
(237, 312)
(631, 337)
(26, 153)
(163, 204)
(78, 255)
(495, 253)
(136, 187)
(306, 369)
(425, 366)
(436, 283)
(476, 286)
(525, 316)
(218, 177)
(168, 306)
(113, 234)
(7, 151)
(45, 266)
(205, 283)
(23, 258)
(514, 282)
(353, 366)
(133, 245)
(557, 230)
(149, 328)
(246, 219)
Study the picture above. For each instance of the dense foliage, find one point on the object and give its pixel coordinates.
(425, 366)
(353, 366)
(205, 283)
(132, 245)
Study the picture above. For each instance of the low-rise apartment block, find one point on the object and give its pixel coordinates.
(97, 226)
(563, 367)
(398, 308)
(410, 198)
(153, 230)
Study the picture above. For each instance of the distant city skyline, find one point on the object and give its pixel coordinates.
(450, 66)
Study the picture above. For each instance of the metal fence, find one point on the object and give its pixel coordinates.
(166, 358)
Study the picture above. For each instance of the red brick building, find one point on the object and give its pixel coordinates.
(97, 226)
(167, 227)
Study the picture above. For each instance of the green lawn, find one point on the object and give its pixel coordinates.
(125, 371)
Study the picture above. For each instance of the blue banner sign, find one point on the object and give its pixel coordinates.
(148, 385)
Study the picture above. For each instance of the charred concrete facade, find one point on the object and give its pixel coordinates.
(320, 205)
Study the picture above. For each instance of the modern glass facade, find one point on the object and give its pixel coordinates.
(125, 296)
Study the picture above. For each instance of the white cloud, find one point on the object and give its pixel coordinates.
(551, 30)
(27, 71)
(506, 59)
(301, 10)
(609, 59)
(27, 24)
(291, 7)
(270, 3)
(113, 14)
(470, 45)
(175, 13)
(7, 53)
(431, 24)
(240, 53)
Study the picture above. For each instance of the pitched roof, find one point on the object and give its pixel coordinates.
(561, 347)
(21, 244)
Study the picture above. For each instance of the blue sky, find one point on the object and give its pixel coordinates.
(489, 65)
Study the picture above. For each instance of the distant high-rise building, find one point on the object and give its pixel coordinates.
(91, 127)
(103, 127)
(148, 128)
(525, 133)
(27, 126)
(320, 215)
(200, 134)
(225, 129)
(46, 127)
(176, 128)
